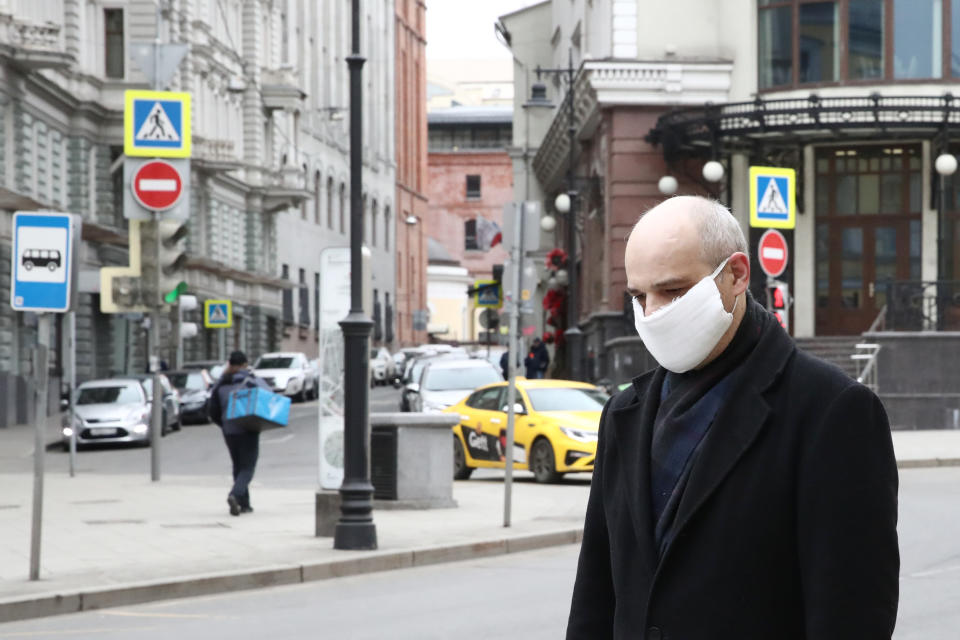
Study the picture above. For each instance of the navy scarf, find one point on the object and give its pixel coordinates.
(689, 402)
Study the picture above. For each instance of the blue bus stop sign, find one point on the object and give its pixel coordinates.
(44, 259)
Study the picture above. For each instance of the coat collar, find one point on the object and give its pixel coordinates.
(740, 422)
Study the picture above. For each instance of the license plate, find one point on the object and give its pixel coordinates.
(103, 431)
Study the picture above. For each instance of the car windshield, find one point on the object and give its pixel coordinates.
(187, 381)
(274, 363)
(108, 395)
(567, 399)
(448, 379)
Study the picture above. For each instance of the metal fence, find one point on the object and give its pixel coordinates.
(915, 305)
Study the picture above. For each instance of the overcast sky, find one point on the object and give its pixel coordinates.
(463, 29)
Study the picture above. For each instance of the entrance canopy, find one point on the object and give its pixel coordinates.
(746, 126)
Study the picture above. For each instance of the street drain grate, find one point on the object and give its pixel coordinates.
(201, 525)
(98, 501)
(118, 521)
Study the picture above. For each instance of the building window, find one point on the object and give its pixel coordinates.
(114, 53)
(866, 39)
(386, 228)
(330, 203)
(317, 209)
(819, 35)
(470, 234)
(373, 224)
(473, 187)
(799, 42)
(343, 208)
(316, 300)
(917, 38)
(304, 300)
(287, 298)
(774, 44)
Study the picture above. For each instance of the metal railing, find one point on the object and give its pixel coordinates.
(866, 361)
(916, 305)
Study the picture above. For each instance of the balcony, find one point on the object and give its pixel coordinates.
(214, 154)
(280, 89)
(32, 45)
(283, 188)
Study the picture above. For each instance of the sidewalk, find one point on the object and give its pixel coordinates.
(113, 540)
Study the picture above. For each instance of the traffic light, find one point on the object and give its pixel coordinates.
(162, 260)
(779, 301)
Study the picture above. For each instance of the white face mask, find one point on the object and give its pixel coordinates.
(682, 334)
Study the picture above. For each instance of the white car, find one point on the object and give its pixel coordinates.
(382, 366)
(288, 373)
(111, 411)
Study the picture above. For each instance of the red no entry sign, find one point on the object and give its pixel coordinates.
(773, 253)
(157, 185)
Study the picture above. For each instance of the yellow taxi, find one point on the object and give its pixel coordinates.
(555, 428)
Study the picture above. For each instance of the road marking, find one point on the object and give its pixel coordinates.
(139, 614)
(934, 572)
(71, 632)
(285, 438)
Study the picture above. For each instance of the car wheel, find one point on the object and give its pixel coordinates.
(299, 397)
(460, 469)
(542, 462)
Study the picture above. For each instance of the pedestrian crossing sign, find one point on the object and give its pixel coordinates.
(773, 198)
(488, 293)
(156, 124)
(217, 314)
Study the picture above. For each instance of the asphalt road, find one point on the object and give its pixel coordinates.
(521, 595)
(287, 458)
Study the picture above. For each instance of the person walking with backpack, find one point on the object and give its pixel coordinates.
(244, 445)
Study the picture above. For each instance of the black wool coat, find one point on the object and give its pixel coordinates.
(787, 527)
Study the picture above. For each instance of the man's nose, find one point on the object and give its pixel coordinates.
(652, 304)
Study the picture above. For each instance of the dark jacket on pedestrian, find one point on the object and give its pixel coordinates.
(781, 524)
(537, 360)
(220, 397)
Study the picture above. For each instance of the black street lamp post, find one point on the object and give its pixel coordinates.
(573, 335)
(355, 529)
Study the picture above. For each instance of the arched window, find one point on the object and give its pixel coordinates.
(373, 224)
(317, 216)
(330, 202)
(343, 208)
(386, 228)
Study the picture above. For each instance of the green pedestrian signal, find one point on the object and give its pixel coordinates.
(178, 291)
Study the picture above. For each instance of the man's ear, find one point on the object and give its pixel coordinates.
(740, 267)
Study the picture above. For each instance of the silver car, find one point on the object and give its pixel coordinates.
(446, 381)
(110, 411)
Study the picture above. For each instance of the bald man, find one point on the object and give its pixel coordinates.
(743, 489)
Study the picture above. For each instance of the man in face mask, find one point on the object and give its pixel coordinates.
(742, 489)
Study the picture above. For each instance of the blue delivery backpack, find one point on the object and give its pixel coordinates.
(257, 409)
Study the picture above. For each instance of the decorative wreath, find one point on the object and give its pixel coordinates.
(548, 337)
(556, 259)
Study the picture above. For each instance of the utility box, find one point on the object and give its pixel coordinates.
(411, 460)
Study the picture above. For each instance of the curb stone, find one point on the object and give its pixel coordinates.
(50, 604)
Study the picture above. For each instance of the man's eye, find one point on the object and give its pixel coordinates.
(640, 297)
(673, 292)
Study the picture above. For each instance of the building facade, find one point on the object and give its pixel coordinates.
(411, 184)
(855, 95)
(312, 136)
(471, 180)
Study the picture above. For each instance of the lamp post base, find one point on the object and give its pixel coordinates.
(355, 530)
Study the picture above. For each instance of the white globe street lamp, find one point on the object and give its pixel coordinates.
(548, 223)
(562, 203)
(946, 164)
(667, 185)
(713, 171)
(563, 279)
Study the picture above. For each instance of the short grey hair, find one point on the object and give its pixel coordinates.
(720, 234)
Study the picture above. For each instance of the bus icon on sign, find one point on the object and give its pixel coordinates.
(49, 258)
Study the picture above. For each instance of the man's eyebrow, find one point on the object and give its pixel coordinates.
(671, 283)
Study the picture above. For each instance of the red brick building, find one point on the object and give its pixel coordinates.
(470, 177)
(411, 141)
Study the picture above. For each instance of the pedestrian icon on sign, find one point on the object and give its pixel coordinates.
(772, 202)
(157, 126)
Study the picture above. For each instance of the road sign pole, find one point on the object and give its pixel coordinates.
(156, 404)
(222, 344)
(512, 353)
(40, 444)
(72, 382)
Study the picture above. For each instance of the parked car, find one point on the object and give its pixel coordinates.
(382, 366)
(287, 373)
(171, 399)
(194, 388)
(556, 423)
(446, 381)
(315, 372)
(114, 410)
(214, 367)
